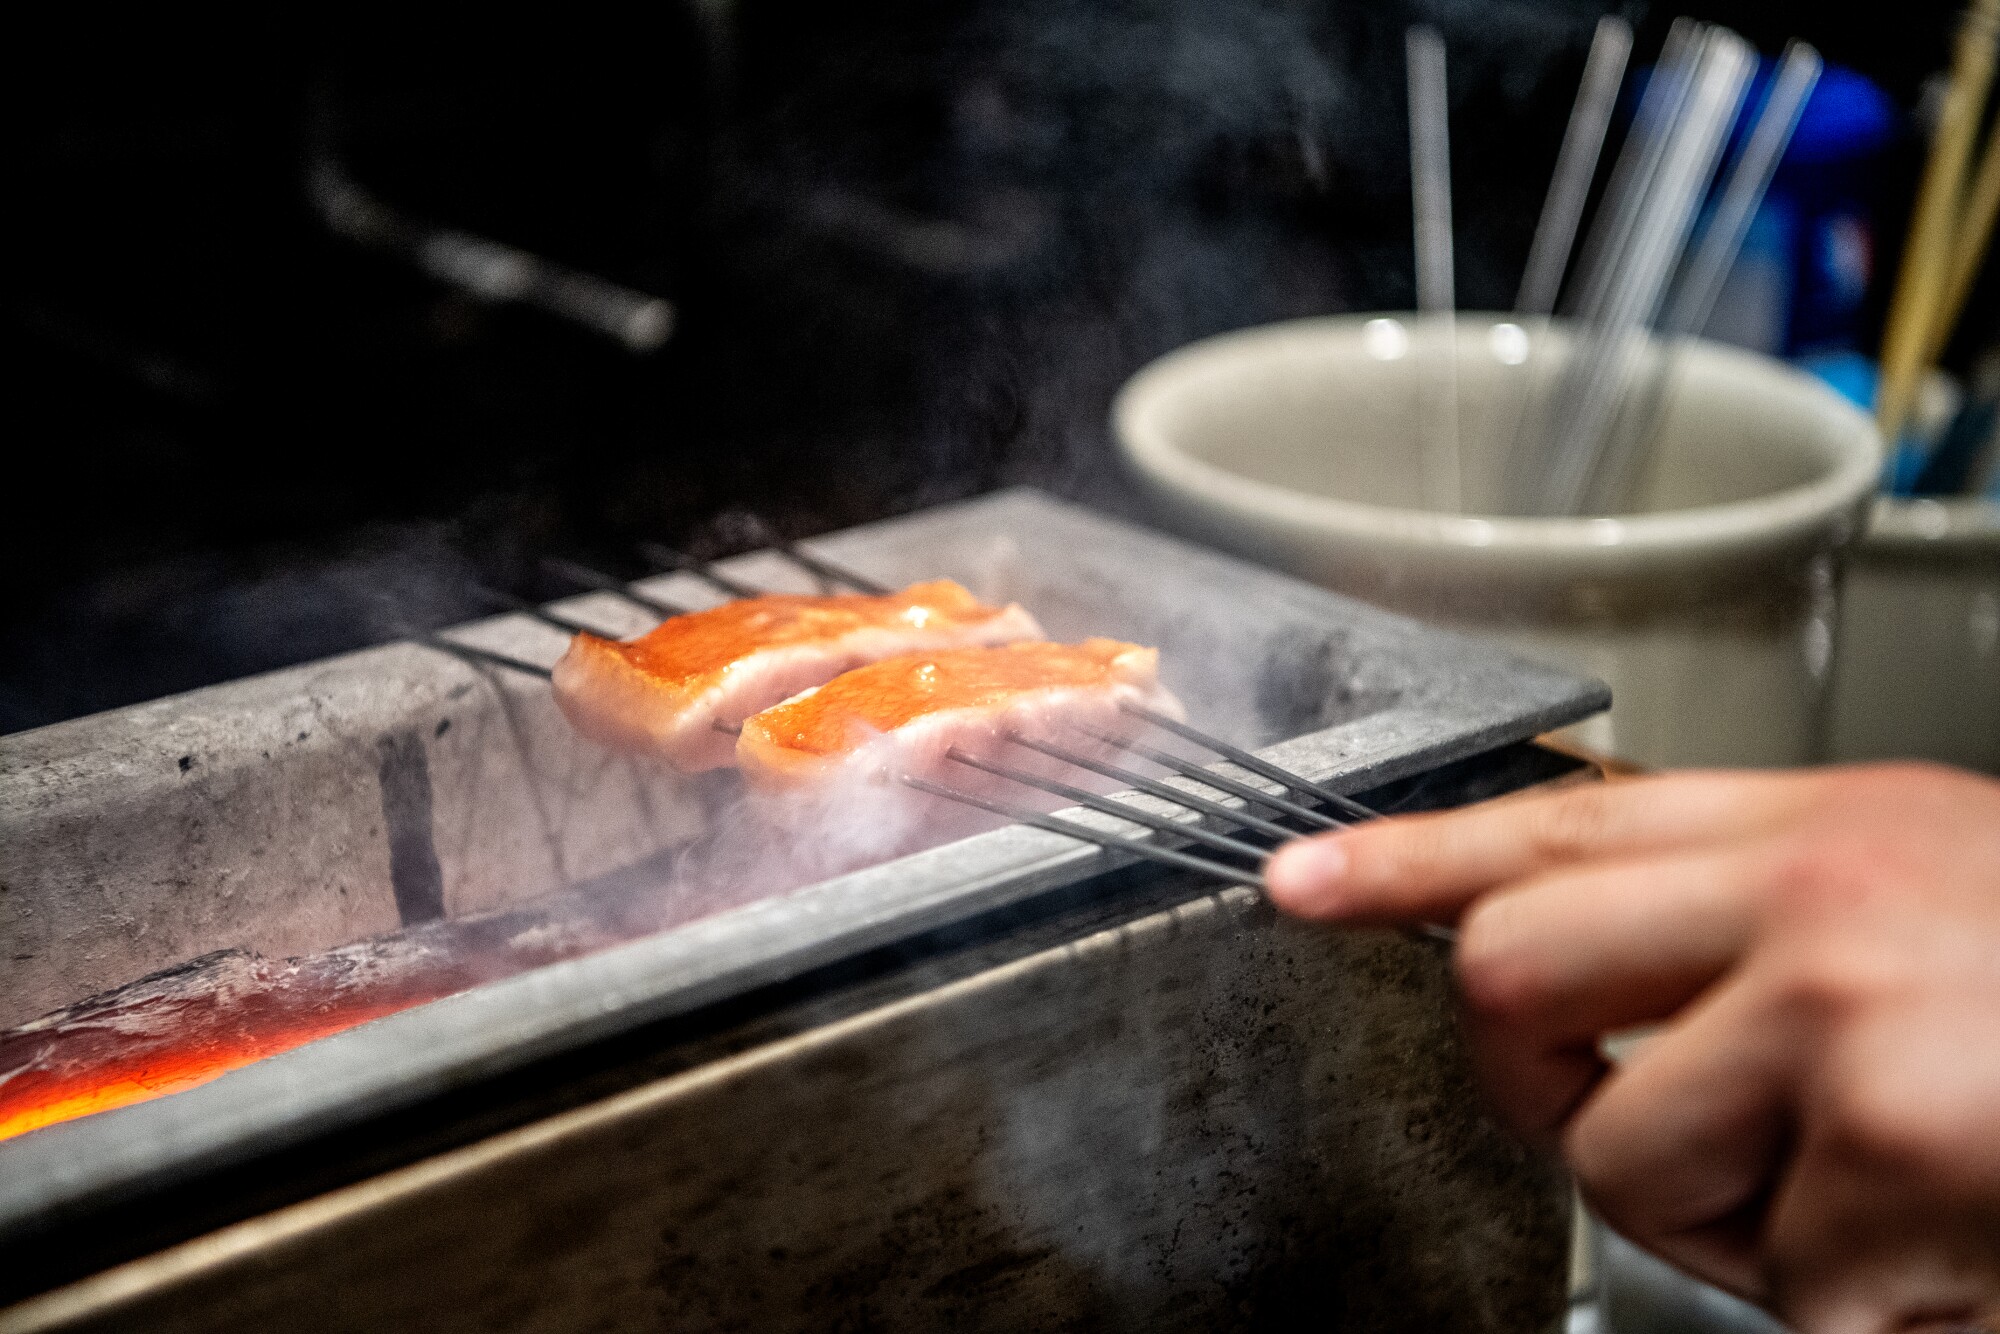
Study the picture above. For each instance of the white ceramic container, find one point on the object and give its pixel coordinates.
(1917, 674)
(1709, 608)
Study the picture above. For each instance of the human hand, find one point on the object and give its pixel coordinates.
(1817, 1125)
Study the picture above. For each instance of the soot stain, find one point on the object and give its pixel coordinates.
(1308, 683)
(415, 877)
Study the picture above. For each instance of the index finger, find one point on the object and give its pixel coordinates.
(1430, 867)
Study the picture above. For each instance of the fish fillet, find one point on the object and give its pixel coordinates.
(901, 715)
(666, 691)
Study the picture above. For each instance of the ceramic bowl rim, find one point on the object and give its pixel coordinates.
(1781, 517)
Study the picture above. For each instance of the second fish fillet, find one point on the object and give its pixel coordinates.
(902, 715)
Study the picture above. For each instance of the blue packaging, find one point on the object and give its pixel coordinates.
(1800, 285)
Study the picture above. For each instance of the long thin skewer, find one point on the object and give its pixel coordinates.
(1660, 105)
(1576, 167)
(1430, 169)
(471, 654)
(1692, 298)
(1615, 358)
(497, 598)
(1083, 797)
(1243, 819)
(1597, 382)
(1421, 931)
(1084, 834)
(1437, 301)
(589, 578)
(826, 569)
(1601, 260)
(1744, 189)
(1238, 755)
(1561, 220)
(1154, 787)
(669, 559)
(818, 566)
(1210, 778)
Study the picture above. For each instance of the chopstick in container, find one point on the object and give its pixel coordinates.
(1744, 189)
(1719, 76)
(1437, 301)
(1660, 106)
(1692, 299)
(1971, 238)
(1529, 459)
(1576, 167)
(1599, 379)
(1557, 227)
(1920, 296)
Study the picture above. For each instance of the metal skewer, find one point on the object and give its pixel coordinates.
(1678, 138)
(1429, 932)
(1437, 303)
(1082, 797)
(589, 578)
(669, 559)
(818, 566)
(1083, 834)
(1238, 755)
(1692, 298)
(826, 569)
(1220, 782)
(1576, 166)
(1154, 787)
(480, 655)
(497, 598)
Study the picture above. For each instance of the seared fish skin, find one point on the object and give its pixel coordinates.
(901, 715)
(665, 692)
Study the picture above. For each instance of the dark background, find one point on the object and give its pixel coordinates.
(914, 247)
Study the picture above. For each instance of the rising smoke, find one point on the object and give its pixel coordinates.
(962, 239)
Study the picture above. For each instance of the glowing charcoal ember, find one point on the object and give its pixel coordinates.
(186, 1025)
(666, 691)
(901, 717)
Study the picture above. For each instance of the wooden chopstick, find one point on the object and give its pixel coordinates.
(1920, 285)
(1970, 240)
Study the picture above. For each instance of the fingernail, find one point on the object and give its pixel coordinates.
(1304, 877)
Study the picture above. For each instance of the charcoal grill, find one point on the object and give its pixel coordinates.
(1010, 1082)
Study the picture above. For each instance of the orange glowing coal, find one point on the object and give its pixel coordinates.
(97, 1056)
(59, 1089)
(186, 1025)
